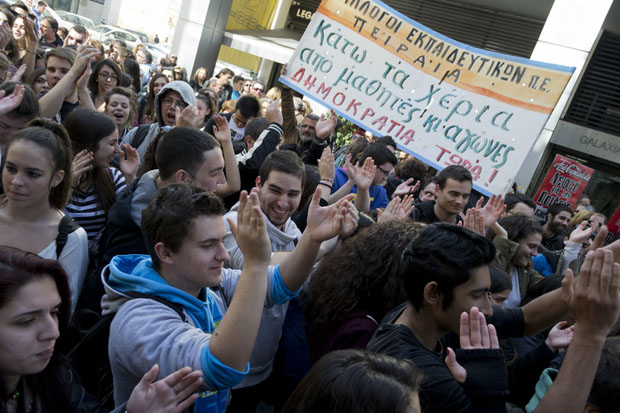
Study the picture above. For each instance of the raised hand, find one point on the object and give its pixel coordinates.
(221, 130)
(406, 188)
(350, 222)
(8, 103)
(560, 336)
(492, 211)
(250, 230)
(129, 161)
(326, 165)
(397, 208)
(326, 222)
(5, 35)
(474, 221)
(580, 234)
(475, 333)
(273, 112)
(82, 163)
(325, 126)
(174, 393)
(17, 77)
(189, 118)
(594, 297)
(365, 174)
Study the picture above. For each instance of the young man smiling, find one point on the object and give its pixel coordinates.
(211, 329)
(452, 193)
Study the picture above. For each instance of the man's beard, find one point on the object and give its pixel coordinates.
(305, 138)
(556, 228)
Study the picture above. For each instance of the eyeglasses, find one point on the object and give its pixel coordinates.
(106, 76)
(258, 89)
(178, 103)
(173, 57)
(386, 173)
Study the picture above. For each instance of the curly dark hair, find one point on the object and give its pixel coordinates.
(361, 274)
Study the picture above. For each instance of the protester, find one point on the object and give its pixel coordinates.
(446, 281)
(95, 184)
(556, 224)
(519, 204)
(354, 287)
(106, 75)
(19, 106)
(78, 35)
(38, 82)
(353, 381)
(36, 177)
(237, 85)
(48, 28)
(120, 105)
(366, 179)
(200, 77)
(219, 336)
(207, 107)
(246, 108)
(35, 308)
(174, 105)
(146, 108)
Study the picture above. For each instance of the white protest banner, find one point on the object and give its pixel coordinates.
(442, 101)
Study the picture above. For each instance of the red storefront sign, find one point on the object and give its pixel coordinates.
(614, 222)
(564, 183)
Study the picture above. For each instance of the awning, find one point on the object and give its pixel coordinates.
(277, 45)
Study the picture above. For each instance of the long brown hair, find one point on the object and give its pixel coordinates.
(17, 269)
(86, 129)
(150, 100)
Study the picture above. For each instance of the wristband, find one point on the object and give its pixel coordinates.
(326, 184)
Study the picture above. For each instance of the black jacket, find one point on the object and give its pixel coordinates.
(425, 212)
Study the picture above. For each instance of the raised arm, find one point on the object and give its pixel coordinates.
(52, 101)
(233, 340)
(594, 300)
(221, 131)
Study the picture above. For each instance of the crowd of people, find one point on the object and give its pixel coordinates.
(176, 244)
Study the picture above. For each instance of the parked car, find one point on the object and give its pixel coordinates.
(158, 51)
(106, 34)
(143, 37)
(73, 19)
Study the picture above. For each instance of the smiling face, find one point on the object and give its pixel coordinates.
(559, 222)
(279, 196)
(29, 329)
(118, 108)
(198, 262)
(528, 249)
(211, 171)
(19, 29)
(454, 196)
(106, 149)
(159, 83)
(28, 174)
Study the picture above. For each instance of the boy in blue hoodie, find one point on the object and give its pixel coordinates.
(184, 231)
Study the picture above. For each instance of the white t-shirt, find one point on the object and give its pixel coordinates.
(514, 298)
(236, 133)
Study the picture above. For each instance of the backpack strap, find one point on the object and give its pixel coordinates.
(66, 227)
(141, 134)
(178, 308)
